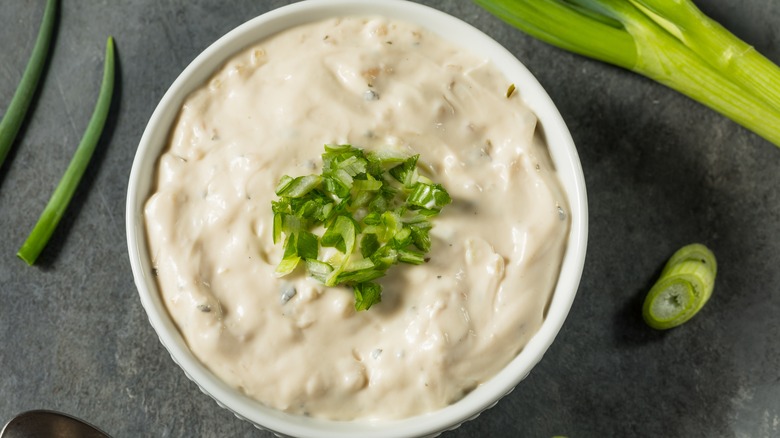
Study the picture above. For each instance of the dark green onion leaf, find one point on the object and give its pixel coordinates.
(20, 102)
(307, 245)
(402, 238)
(369, 244)
(684, 286)
(341, 232)
(290, 258)
(353, 165)
(383, 201)
(361, 275)
(420, 237)
(411, 257)
(366, 295)
(281, 206)
(373, 218)
(63, 193)
(429, 196)
(385, 257)
(406, 173)
(338, 186)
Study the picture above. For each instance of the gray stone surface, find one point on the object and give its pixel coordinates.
(661, 170)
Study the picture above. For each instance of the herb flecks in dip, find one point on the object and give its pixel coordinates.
(443, 327)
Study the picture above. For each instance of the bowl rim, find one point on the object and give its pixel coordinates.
(564, 155)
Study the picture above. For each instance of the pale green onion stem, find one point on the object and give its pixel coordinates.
(684, 286)
(718, 47)
(567, 26)
(62, 195)
(669, 41)
(20, 103)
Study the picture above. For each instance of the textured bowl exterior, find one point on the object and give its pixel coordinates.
(562, 151)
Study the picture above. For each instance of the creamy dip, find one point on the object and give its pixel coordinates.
(443, 327)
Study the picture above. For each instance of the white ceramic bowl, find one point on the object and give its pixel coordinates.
(198, 72)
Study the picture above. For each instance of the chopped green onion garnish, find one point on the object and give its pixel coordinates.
(290, 258)
(297, 187)
(406, 172)
(307, 245)
(671, 42)
(20, 102)
(685, 285)
(428, 197)
(64, 191)
(366, 295)
(365, 215)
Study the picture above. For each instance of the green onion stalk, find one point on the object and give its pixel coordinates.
(20, 102)
(669, 41)
(64, 191)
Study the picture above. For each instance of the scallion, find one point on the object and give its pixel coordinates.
(669, 41)
(17, 109)
(684, 286)
(64, 191)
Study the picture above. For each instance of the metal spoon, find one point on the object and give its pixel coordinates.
(49, 424)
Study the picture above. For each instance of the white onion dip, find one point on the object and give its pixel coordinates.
(443, 327)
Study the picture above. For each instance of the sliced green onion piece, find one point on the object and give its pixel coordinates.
(301, 245)
(371, 185)
(345, 228)
(319, 270)
(420, 237)
(385, 257)
(428, 196)
(20, 102)
(308, 247)
(379, 162)
(412, 257)
(366, 295)
(340, 235)
(277, 229)
(684, 286)
(353, 165)
(402, 238)
(369, 244)
(390, 225)
(360, 276)
(298, 187)
(290, 259)
(406, 172)
(62, 195)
